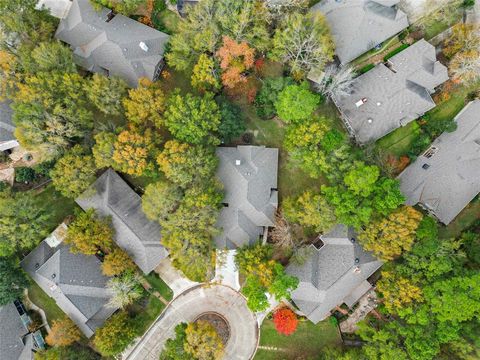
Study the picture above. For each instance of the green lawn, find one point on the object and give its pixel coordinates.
(398, 142)
(451, 107)
(305, 343)
(159, 285)
(463, 221)
(146, 315)
(42, 300)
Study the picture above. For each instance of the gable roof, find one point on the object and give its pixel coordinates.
(250, 192)
(7, 128)
(124, 47)
(111, 196)
(359, 25)
(332, 274)
(394, 95)
(74, 281)
(446, 177)
(16, 343)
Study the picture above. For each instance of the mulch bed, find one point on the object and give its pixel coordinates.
(219, 323)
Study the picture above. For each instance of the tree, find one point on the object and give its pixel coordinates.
(117, 262)
(296, 103)
(74, 172)
(133, 152)
(204, 75)
(235, 60)
(193, 119)
(174, 347)
(303, 42)
(63, 333)
(125, 7)
(115, 334)
(202, 341)
(89, 233)
(51, 56)
(12, 281)
(145, 104)
(285, 321)
(335, 81)
(282, 284)
(125, 290)
(73, 352)
(106, 93)
(23, 222)
(268, 94)
(362, 178)
(397, 291)
(464, 37)
(278, 9)
(310, 210)
(388, 238)
(103, 149)
(185, 164)
(254, 291)
(232, 123)
(465, 67)
(161, 199)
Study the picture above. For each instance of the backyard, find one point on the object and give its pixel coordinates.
(46, 303)
(305, 343)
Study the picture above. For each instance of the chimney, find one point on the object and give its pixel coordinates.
(238, 162)
(143, 46)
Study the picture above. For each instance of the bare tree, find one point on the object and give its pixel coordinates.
(335, 81)
(281, 234)
(278, 8)
(465, 67)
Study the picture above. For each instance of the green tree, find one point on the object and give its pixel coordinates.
(296, 103)
(106, 93)
(310, 210)
(204, 74)
(161, 199)
(202, 341)
(74, 172)
(89, 233)
(174, 348)
(12, 281)
(53, 55)
(125, 289)
(268, 94)
(232, 123)
(23, 222)
(145, 104)
(282, 284)
(73, 352)
(103, 149)
(193, 119)
(185, 164)
(361, 179)
(125, 7)
(115, 334)
(254, 291)
(303, 42)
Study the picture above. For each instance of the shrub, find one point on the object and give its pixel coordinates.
(395, 52)
(24, 174)
(268, 94)
(366, 68)
(285, 321)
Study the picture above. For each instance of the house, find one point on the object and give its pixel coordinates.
(74, 281)
(17, 342)
(392, 95)
(112, 44)
(334, 273)
(249, 177)
(7, 128)
(446, 177)
(359, 25)
(111, 196)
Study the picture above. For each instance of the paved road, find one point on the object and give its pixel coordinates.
(188, 306)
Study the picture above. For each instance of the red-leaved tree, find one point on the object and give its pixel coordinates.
(235, 59)
(285, 321)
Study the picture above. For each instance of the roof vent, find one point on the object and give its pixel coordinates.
(379, 103)
(357, 260)
(238, 162)
(54, 276)
(370, 120)
(352, 240)
(360, 102)
(425, 166)
(110, 16)
(37, 265)
(143, 46)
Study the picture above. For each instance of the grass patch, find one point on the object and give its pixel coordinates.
(305, 343)
(145, 315)
(42, 300)
(385, 45)
(366, 68)
(159, 285)
(399, 141)
(462, 222)
(395, 52)
(448, 109)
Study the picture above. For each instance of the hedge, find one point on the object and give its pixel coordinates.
(395, 52)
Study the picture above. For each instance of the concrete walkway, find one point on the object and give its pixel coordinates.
(174, 278)
(188, 306)
(226, 271)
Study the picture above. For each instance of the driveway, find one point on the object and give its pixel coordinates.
(174, 278)
(226, 271)
(188, 306)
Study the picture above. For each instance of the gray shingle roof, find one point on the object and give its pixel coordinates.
(124, 47)
(74, 281)
(394, 95)
(250, 192)
(7, 128)
(15, 341)
(111, 196)
(359, 25)
(333, 274)
(446, 177)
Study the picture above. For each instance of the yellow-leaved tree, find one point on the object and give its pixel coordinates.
(63, 333)
(397, 291)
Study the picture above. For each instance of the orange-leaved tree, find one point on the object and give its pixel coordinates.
(285, 321)
(235, 59)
